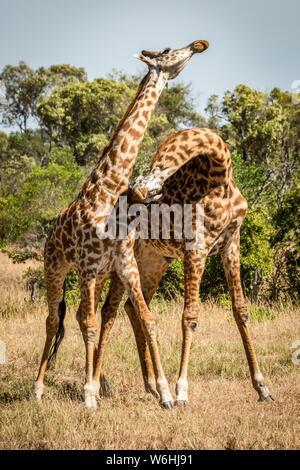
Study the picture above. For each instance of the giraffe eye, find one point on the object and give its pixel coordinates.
(166, 51)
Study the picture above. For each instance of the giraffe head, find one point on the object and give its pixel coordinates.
(171, 61)
(146, 188)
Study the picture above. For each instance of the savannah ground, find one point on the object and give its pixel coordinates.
(223, 412)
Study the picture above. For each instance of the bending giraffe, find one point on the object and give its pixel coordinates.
(75, 241)
(190, 167)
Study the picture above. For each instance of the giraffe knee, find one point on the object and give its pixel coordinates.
(241, 315)
(193, 325)
(149, 327)
(190, 318)
(88, 329)
(91, 335)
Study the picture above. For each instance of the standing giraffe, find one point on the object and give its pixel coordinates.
(74, 239)
(190, 167)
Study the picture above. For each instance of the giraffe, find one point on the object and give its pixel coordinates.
(190, 167)
(75, 238)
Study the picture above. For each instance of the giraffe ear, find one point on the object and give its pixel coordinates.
(144, 58)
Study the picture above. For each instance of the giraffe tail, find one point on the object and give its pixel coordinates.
(61, 329)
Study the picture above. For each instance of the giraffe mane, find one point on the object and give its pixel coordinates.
(121, 122)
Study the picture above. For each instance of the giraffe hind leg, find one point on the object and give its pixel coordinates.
(90, 285)
(231, 264)
(54, 323)
(129, 274)
(108, 316)
(104, 385)
(194, 262)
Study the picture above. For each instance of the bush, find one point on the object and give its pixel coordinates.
(260, 314)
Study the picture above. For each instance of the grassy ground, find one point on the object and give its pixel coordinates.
(223, 411)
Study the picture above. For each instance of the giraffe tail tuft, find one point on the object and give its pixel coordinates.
(60, 331)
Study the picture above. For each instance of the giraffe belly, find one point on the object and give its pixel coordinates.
(168, 248)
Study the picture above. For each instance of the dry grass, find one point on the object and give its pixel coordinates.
(223, 411)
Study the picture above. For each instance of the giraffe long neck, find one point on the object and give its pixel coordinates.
(111, 176)
(182, 147)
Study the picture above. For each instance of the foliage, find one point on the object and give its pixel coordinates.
(72, 289)
(172, 283)
(256, 252)
(286, 245)
(45, 191)
(13, 223)
(264, 129)
(83, 115)
(21, 256)
(259, 313)
(24, 86)
(34, 281)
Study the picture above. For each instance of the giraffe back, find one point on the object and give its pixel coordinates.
(201, 172)
(202, 143)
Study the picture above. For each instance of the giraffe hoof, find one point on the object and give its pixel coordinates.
(181, 403)
(38, 391)
(167, 405)
(265, 395)
(268, 398)
(90, 393)
(90, 402)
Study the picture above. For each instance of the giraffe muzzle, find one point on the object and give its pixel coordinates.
(200, 46)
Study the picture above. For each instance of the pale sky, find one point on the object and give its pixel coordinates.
(254, 42)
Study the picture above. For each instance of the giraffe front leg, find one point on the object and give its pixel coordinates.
(231, 264)
(88, 325)
(129, 274)
(108, 315)
(143, 350)
(194, 262)
(111, 304)
(189, 324)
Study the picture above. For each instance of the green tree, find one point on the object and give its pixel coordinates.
(214, 113)
(286, 245)
(264, 129)
(256, 124)
(83, 115)
(23, 87)
(26, 216)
